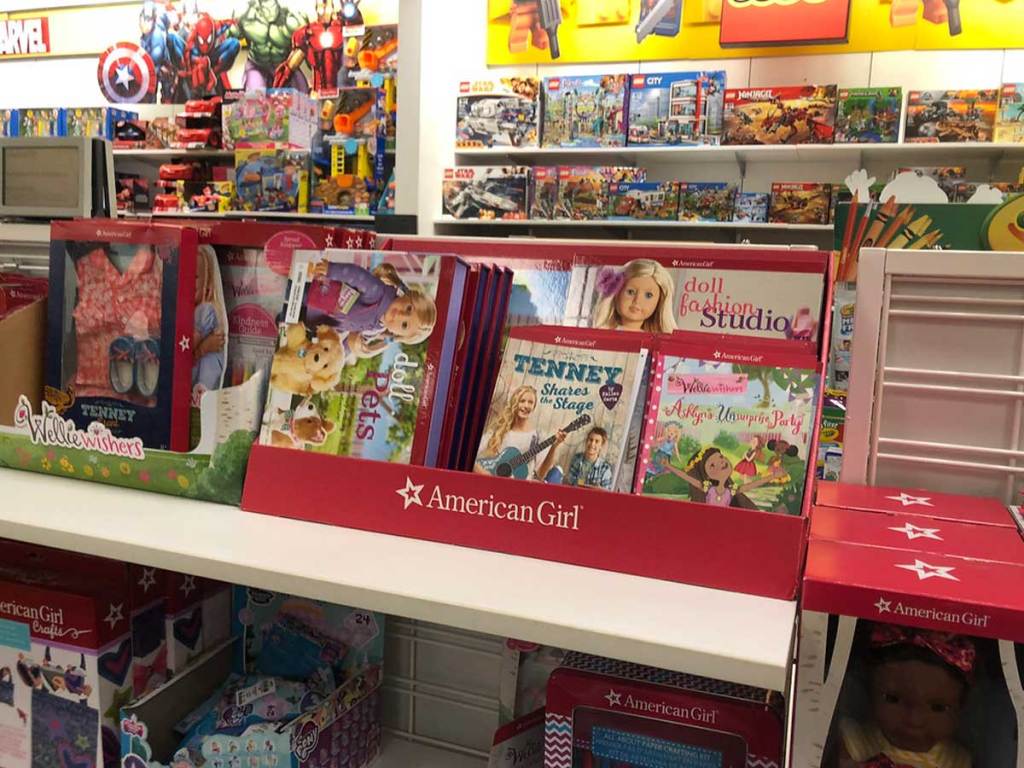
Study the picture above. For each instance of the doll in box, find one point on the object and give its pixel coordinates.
(637, 297)
(918, 682)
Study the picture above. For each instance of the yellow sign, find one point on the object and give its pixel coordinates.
(654, 30)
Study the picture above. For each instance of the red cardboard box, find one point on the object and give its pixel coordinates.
(914, 502)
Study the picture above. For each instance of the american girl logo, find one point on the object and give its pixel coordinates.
(706, 384)
(45, 621)
(50, 428)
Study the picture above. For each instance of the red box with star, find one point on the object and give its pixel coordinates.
(911, 642)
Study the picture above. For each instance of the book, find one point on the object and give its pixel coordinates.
(730, 424)
(802, 114)
(951, 116)
(562, 406)
(676, 108)
(363, 362)
(1009, 127)
(498, 113)
(800, 203)
(585, 111)
(643, 200)
(752, 292)
(706, 201)
(751, 207)
(869, 115)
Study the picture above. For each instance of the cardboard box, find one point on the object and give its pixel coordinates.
(22, 341)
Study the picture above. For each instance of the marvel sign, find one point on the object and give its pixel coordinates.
(24, 37)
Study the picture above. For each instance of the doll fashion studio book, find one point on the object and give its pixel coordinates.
(564, 407)
(363, 362)
(773, 294)
(730, 423)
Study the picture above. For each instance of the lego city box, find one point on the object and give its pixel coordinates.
(498, 113)
(486, 192)
(676, 108)
(909, 657)
(643, 200)
(914, 502)
(276, 118)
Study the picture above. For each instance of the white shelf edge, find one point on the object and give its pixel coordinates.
(735, 637)
(173, 153)
(245, 215)
(18, 232)
(403, 753)
(446, 220)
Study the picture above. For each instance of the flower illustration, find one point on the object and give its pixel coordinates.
(66, 464)
(51, 455)
(610, 281)
(126, 468)
(144, 476)
(172, 474)
(183, 481)
(105, 472)
(45, 463)
(87, 471)
(190, 463)
(94, 459)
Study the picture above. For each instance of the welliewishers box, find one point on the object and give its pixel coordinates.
(910, 654)
(915, 502)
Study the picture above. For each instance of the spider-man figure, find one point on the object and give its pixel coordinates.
(320, 44)
(204, 59)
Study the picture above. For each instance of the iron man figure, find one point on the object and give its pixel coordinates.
(320, 44)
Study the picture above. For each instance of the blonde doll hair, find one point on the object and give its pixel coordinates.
(206, 290)
(663, 320)
(507, 418)
(423, 307)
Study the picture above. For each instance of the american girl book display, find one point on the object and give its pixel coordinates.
(362, 366)
(606, 713)
(729, 423)
(752, 292)
(120, 329)
(562, 407)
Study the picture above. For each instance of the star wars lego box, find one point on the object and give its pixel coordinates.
(486, 192)
(951, 116)
(802, 114)
(498, 113)
(907, 655)
(800, 203)
(676, 108)
(586, 111)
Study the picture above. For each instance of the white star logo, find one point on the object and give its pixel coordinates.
(883, 605)
(351, 242)
(925, 571)
(614, 698)
(124, 76)
(115, 615)
(184, 344)
(329, 240)
(915, 532)
(410, 494)
(906, 500)
(717, 355)
(188, 585)
(148, 579)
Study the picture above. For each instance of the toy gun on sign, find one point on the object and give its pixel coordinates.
(953, 13)
(550, 18)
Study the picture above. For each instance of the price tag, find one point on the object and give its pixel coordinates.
(360, 628)
(245, 696)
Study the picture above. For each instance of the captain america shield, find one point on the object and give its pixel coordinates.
(126, 74)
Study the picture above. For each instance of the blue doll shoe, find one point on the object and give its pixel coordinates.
(122, 365)
(147, 366)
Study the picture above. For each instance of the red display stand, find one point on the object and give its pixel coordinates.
(741, 550)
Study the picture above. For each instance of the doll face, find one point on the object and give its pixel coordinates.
(637, 301)
(398, 318)
(718, 468)
(673, 433)
(527, 402)
(916, 704)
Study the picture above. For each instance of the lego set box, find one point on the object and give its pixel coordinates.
(498, 113)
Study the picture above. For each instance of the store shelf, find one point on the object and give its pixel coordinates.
(160, 154)
(637, 155)
(400, 753)
(25, 233)
(248, 215)
(627, 224)
(732, 636)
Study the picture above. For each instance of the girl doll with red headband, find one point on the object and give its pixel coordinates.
(918, 683)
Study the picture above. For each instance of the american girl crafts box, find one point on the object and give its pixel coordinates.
(748, 293)
(729, 424)
(562, 407)
(362, 366)
(120, 331)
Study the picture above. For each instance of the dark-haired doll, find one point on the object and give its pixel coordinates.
(709, 473)
(918, 683)
(780, 448)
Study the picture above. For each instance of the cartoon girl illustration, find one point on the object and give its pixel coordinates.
(747, 466)
(709, 473)
(209, 338)
(636, 298)
(512, 429)
(375, 307)
(666, 448)
(780, 449)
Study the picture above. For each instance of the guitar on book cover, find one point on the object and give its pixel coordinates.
(512, 462)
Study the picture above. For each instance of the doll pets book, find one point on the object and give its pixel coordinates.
(751, 292)
(729, 424)
(363, 361)
(562, 406)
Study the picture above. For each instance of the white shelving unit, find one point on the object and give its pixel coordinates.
(731, 636)
(628, 224)
(399, 753)
(323, 217)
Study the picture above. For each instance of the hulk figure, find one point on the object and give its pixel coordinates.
(267, 27)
